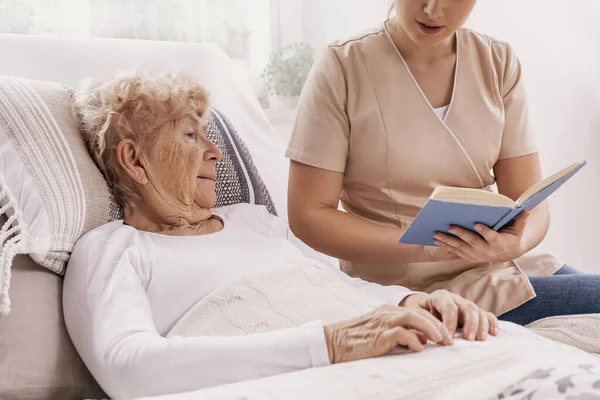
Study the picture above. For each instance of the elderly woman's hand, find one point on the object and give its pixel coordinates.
(379, 332)
(455, 311)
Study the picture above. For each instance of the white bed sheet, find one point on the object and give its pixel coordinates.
(467, 370)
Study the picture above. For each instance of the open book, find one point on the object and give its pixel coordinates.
(467, 207)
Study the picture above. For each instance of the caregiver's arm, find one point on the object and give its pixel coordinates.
(313, 198)
(518, 167)
(318, 151)
(513, 177)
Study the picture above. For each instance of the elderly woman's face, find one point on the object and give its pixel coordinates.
(430, 22)
(181, 165)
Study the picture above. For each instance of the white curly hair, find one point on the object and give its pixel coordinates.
(134, 105)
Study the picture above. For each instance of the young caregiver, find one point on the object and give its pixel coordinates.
(388, 116)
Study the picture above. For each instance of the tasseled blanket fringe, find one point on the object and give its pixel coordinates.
(10, 240)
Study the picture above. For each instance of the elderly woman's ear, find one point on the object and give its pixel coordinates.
(130, 159)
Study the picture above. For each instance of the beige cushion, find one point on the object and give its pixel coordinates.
(581, 331)
(50, 186)
(37, 359)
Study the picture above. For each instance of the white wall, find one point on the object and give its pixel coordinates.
(329, 20)
(559, 46)
(318, 22)
(291, 29)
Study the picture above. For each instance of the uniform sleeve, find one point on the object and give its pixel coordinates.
(321, 133)
(518, 137)
(109, 319)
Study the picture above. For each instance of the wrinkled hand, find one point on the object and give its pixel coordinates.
(489, 245)
(455, 312)
(379, 332)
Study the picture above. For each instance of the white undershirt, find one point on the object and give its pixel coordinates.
(441, 112)
(125, 289)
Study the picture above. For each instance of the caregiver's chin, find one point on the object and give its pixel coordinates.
(421, 23)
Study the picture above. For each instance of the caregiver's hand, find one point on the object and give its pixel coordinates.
(455, 312)
(439, 253)
(489, 245)
(379, 332)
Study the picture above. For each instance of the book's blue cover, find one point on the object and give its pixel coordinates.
(437, 216)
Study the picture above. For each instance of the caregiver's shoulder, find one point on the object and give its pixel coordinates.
(361, 37)
(350, 48)
(499, 50)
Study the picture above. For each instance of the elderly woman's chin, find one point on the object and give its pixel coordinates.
(206, 195)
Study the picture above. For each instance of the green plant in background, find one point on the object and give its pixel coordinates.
(16, 16)
(287, 70)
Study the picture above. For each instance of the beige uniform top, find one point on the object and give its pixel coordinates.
(363, 113)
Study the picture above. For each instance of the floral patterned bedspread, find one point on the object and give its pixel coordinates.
(516, 365)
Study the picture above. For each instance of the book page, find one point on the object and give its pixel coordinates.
(541, 185)
(471, 196)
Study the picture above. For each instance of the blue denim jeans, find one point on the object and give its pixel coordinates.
(568, 292)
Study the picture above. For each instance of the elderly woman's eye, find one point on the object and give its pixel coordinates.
(190, 134)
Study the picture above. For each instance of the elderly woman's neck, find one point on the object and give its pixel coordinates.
(191, 222)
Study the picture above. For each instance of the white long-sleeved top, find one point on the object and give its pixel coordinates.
(125, 289)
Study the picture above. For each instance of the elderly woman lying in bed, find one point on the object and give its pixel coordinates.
(263, 303)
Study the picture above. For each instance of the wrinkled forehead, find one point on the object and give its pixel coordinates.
(191, 121)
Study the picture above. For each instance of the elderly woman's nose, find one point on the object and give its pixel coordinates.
(212, 153)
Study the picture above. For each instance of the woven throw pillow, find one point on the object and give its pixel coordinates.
(50, 188)
(238, 180)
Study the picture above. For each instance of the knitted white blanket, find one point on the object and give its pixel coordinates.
(277, 298)
(284, 297)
